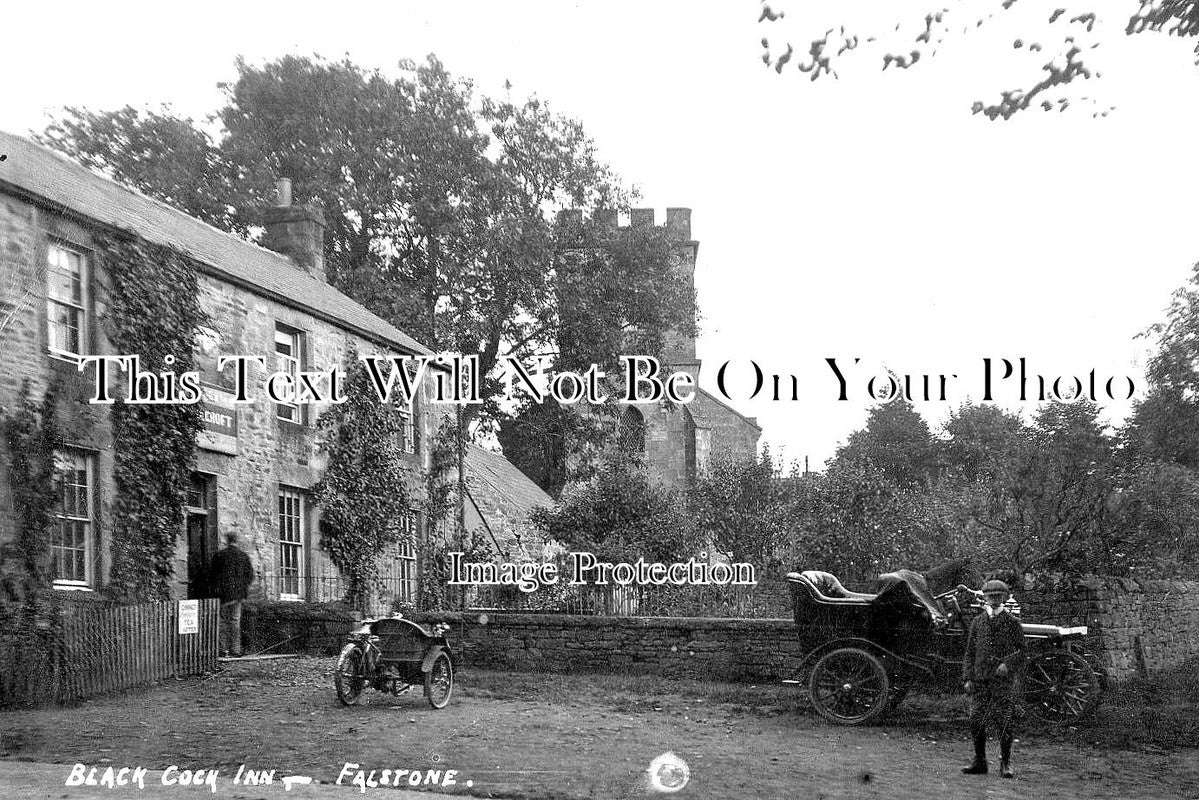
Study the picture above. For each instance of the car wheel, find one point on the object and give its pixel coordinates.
(1059, 686)
(849, 686)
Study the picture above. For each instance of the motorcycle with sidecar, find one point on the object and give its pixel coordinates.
(395, 655)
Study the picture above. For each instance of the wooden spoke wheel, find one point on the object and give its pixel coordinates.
(349, 678)
(1059, 686)
(849, 686)
(439, 681)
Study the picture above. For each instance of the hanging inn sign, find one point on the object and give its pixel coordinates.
(218, 429)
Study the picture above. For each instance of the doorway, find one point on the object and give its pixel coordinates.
(200, 515)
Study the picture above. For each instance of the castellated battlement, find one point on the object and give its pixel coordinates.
(678, 220)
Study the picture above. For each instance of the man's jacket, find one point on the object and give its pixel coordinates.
(993, 640)
(232, 573)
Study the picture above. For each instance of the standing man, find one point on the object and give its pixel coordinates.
(994, 654)
(232, 574)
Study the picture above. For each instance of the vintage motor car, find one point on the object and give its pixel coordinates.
(865, 651)
(393, 654)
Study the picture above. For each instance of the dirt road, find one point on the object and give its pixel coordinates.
(526, 735)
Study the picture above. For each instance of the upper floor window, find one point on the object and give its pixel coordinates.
(72, 537)
(408, 432)
(66, 300)
(288, 355)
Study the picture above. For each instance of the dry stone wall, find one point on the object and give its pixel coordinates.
(1136, 629)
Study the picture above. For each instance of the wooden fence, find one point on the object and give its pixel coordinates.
(116, 647)
(102, 648)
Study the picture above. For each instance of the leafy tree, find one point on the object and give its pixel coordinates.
(1165, 424)
(538, 438)
(896, 440)
(739, 504)
(854, 521)
(1057, 41)
(168, 157)
(363, 494)
(1154, 511)
(438, 203)
(620, 515)
(984, 442)
(1044, 501)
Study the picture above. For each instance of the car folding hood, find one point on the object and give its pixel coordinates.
(895, 587)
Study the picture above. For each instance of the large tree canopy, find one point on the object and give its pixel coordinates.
(1057, 40)
(439, 202)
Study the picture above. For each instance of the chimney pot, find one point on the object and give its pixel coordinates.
(297, 232)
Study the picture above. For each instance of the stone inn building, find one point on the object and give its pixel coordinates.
(255, 463)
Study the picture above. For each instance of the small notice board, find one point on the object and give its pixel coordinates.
(189, 616)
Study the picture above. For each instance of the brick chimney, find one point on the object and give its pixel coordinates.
(297, 232)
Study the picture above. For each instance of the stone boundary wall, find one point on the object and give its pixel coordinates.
(1139, 627)
(1136, 629)
(673, 647)
(310, 628)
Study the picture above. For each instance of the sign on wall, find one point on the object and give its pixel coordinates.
(219, 422)
(189, 616)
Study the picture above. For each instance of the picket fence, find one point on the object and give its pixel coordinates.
(117, 647)
(106, 647)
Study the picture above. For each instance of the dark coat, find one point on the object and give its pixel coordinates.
(993, 641)
(231, 574)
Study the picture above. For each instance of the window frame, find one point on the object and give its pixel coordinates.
(293, 364)
(299, 546)
(402, 566)
(61, 516)
(408, 429)
(53, 301)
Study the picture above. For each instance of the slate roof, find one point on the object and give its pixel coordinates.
(74, 190)
(702, 416)
(493, 473)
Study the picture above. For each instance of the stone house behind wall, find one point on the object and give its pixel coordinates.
(255, 464)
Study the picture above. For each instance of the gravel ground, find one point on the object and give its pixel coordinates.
(529, 735)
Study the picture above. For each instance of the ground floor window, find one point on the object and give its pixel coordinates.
(73, 535)
(291, 543)
(398, 570)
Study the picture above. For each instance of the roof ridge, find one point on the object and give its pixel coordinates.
(73, 164)
(262, 268)
(726, 406)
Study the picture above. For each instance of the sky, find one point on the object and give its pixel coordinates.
(870, 216)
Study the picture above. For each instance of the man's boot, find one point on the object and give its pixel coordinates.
(979, 767)
(1005, 758)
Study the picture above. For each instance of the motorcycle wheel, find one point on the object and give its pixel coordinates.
(348, 677)
(439, 681)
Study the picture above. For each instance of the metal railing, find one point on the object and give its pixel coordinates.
(392, 590)
(761, 601)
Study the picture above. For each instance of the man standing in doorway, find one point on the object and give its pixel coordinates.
(232, 574)
(994, 654)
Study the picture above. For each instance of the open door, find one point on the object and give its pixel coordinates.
(200, 516)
